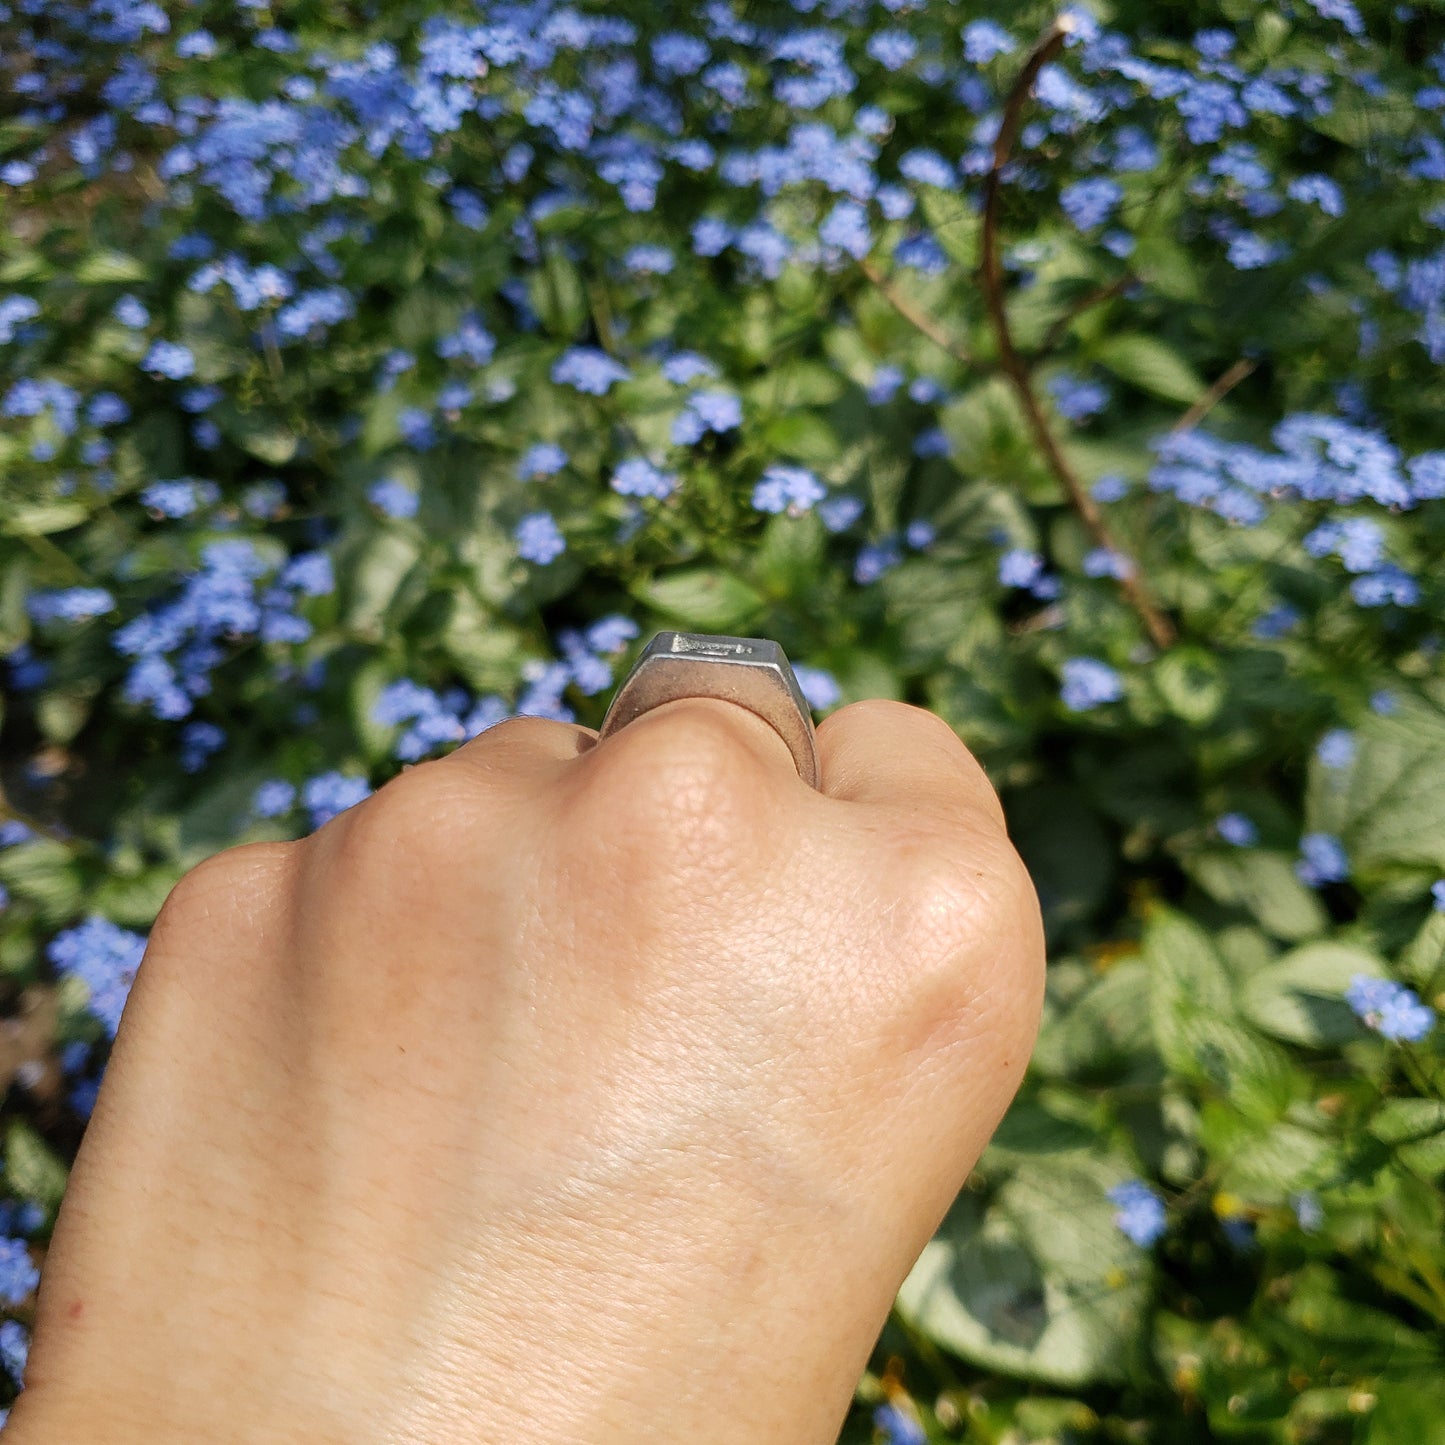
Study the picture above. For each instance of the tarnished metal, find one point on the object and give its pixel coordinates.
(749, 671)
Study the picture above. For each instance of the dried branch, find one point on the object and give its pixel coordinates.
(1158, 626)
(919, 320)
(1211, 398)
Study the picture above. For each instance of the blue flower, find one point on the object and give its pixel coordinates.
(920, 534)
(927, 168)
(675, 54)
(15, 311)
(273, 799)
(1091, 202)
(1320, 191)
(538, 538)
(1105, 562)
(789, 489)
(683, 367)
(471, 341)
(169, 359)
(892, 49)
(105, 958)
(649, 260)
(1307, 1210)
(199, 740)
(611, 634)
(706, 411)
(1336, 749)
(1076, 397)
(1235, 828)
(394, 498)
(845, 227)
(637, 477)
(818, 686)
(1019, 567)
(18, 1275)
(1392, 1010)
(1088, 683)
(69, 604)
(1342, 10)
(179, 498)
(542, 459)
(983, 40)
(898, 1427)
(1322, 860)
(1140, 1214)
(1389, 584)
(330, 793)
(586, 369)
(839, 513)
(14, 1349)
(875, 559)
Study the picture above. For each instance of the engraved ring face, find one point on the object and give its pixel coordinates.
(749, 671)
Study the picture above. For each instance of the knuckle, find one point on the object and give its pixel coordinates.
(237, 891)
(416, 822)
(973, 930)
(678, 794)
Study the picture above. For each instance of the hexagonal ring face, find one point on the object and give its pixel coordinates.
(749, 671)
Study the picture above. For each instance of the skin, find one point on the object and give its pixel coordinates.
(559, 1091)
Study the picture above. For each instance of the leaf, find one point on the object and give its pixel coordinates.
(266, 438)
(1068, 852)
(1040, 1283)
(46, 873)
(31, 1168)
(1191, 682)
(1388, 803)
(704, 598)
(101, 268)
(1415, 1129)
(371, 581)
(38, 519)
(955, 226)
(1301, 997)
(1152, 366)
(1102, 1031)
(1265, 885)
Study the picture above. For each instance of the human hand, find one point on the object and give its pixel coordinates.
(591, 1093)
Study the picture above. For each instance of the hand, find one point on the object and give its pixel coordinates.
(569, 1092)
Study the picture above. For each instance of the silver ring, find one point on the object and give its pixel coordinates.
(749, 671)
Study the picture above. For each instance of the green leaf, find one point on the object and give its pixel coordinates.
(31, 1168)
(1265, 885)
(1388, 803)
(955, 226)
(1191, 682)
(1415, 1129)
(1152, 366)
(704, 598)
(38, 519)
(1038, 1284)
(101, 268)
(1069, 853)
(1301, 997)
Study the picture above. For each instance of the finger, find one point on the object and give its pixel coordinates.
(523, 745)
(889, 752)
(714, 728)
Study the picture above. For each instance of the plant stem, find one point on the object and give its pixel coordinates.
(1211, 398)
(1156, 624)
(919, 320)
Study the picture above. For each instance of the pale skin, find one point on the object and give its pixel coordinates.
(563, 1092)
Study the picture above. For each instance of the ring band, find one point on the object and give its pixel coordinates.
(749, 671)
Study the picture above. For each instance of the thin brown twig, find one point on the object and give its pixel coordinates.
(1086, 302)
(1158, 626)
(919, 320)
(1216, 393)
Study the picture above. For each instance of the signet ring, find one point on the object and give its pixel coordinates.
(749, 671)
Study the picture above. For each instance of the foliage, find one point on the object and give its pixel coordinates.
(372, 372)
